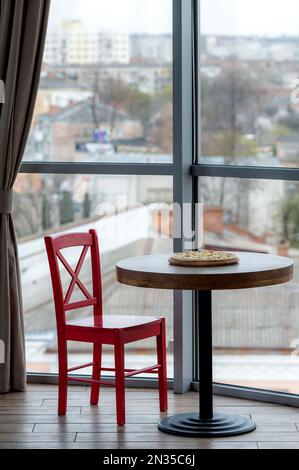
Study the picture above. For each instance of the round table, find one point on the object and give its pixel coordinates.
(253, 270)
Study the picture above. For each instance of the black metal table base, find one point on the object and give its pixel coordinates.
(190, 425)
(206, 423)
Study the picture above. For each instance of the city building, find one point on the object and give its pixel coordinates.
(151, 48)
(57, 93)
(252, 48)
(287, 149)
(72, 43)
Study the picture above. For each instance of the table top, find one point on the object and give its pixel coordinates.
(253, 270)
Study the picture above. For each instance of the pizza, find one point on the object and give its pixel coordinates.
(203, 258)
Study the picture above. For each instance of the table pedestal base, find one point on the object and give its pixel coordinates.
(206, 423)
(190, 425)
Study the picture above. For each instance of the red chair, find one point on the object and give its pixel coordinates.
(98, 329)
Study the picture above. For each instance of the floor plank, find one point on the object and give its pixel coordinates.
(263, 436)
(36, 437)
(48, 387)
(23, 410)
(77, 418)
(283, 418)
(59, 445)
(136, 437)
(278, 445)
(102, 428)
(28, 402)
(273, 410)
(188, 445)
(139, 428)
(16, 427)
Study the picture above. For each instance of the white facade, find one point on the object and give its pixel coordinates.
(252, 48)
(145, 78)
(73, 44)
(62, 97)
(114, 48)
(152, 47)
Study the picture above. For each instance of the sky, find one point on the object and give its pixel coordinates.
(250, 17)
(153, 16)
(239, 17)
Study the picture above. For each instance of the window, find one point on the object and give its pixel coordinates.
(255, 330)
(249, 82)
(107, 123)
(125, 211)
(99, 155)
(94, 80)
(248, 180)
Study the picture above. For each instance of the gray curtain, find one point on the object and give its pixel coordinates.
(23, 25)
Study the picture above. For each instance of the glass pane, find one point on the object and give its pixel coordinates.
(126, 212)
(249, 82)
(256, 331)
(105, 92)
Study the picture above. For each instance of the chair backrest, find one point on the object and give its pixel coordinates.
(63, 303)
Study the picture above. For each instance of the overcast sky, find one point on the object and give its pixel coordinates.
(240, 17)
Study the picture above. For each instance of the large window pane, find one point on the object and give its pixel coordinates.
(105, 92)
(256, 331)
(126, 211)
(249, 82)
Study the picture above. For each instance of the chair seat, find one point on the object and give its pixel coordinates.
(114, 321)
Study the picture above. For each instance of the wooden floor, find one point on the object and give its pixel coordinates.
(29, 420)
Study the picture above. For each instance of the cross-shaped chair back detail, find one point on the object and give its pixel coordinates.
(63, 303)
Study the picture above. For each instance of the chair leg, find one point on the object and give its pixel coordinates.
(96, 373)
(62, 384)
(161, 355)
(120, 381)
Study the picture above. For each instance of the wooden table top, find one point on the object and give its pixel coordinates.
(253, 270)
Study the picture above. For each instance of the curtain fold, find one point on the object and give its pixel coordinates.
(23, 25)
